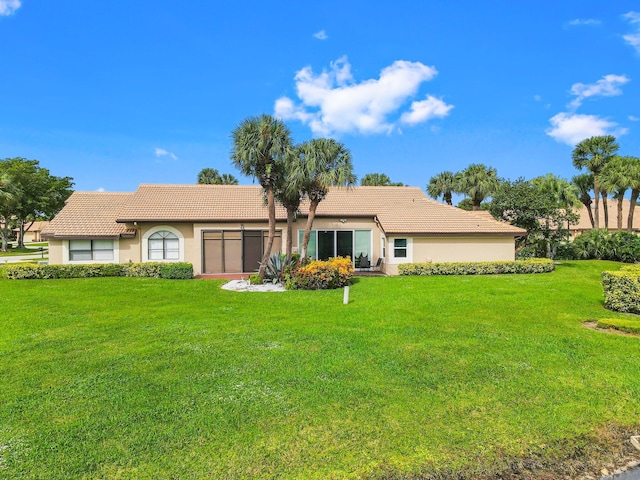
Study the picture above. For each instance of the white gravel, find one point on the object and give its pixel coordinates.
(245, 286)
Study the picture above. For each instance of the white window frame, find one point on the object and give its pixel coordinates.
(66, 252)
(156, 229)
(392, 251)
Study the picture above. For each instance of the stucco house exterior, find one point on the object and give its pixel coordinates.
(584, 223)
(224, 228)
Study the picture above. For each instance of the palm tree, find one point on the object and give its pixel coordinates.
(478, 182)
(593, 153)
(615, 178)
(323, 163)
(442, 185)
(289, 192)
(584, 184)
(228, 179)
(378, 179)
(209, 176)
(260, 145)
(633, 165)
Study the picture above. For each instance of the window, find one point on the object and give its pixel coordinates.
(400, 248)
(90, 250)
(164, 245)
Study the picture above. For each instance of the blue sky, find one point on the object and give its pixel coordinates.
(116, 93)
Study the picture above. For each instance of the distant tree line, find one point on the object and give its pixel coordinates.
(28, 193)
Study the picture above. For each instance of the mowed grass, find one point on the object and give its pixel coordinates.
(144, 378)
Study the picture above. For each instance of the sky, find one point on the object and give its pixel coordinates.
(117, 93)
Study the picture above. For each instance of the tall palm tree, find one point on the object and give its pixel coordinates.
(323, 163)
(593, 153)
(563, 193)
(442, 185)
(615, 178)
(584, 184)
(478, 182)
(633, 165)
(260, 145)
(289, 192)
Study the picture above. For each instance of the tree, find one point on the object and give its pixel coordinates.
(633, 164)
(615, 178)
(323, 163)
(260, 145)
(584, 185)
(478, 182)
(228, 179)
(211, 176)
(561, 195)
(593, 153)
(442, 185)
(526, 205)
(289, 192)
(30, 193)
(379, 180)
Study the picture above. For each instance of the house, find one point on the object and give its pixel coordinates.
(34, 233)
(584, 222)
(224, 228)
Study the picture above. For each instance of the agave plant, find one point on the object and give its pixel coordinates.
(278, 267)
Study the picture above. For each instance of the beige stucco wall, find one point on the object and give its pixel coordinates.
(453, 249)
(55, 251)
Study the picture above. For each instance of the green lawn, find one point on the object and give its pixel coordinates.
(134, 378)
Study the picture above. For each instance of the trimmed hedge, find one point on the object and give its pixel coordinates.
(534, 265)
(622, 290)
(622, 324)
(151, 269)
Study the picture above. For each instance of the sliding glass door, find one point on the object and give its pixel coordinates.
(325, 244)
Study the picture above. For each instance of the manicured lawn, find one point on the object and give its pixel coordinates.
(142, 378)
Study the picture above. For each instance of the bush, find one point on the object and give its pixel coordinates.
(255, 279)
(566, 251)
(622, 290)
(153, 269)
(278, 269)
(535, 265)
(602, 245)
(322, 275)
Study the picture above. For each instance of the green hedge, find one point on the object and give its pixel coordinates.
(622, 290)
(151, 269)
(622, 324)
(534, 265)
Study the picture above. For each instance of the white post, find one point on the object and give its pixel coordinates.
(345, 300)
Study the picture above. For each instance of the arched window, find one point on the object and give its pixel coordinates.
(164, 245)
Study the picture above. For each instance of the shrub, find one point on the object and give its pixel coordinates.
(602, 245)
(622, 290)
(622, 324)
(157, 270)
(278, 268)
(534, 265)
(255, 279)
(322, 275)
(176, 271)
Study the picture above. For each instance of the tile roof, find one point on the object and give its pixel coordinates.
(399, 210)
(585, 224)
(90, 214)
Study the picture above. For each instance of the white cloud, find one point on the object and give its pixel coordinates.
(584, 21)
(633, 39)
(633, 119)
(100, 189)
(8, 7)
(571, 128)
(332, 101)
(607, 86)
(321, 35)
(425, 110)
(161, 152)
(537, 98)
